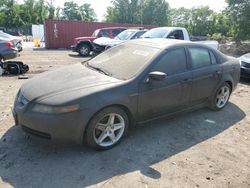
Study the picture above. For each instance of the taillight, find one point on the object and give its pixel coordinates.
(9, 44)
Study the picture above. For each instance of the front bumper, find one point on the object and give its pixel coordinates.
(245, 72)
(66, 127)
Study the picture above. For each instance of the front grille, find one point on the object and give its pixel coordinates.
(36, 133)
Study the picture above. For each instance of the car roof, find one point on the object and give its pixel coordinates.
(169, 28)
(166, 43)
(112, 28)
(159, 43)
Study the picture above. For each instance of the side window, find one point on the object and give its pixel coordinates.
(115, 32)
(200, 57)
(104, 33)
(173, 62)
(177, 34)
(213, 58)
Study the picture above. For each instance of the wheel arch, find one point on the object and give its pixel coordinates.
(123, 107)
(85, 42)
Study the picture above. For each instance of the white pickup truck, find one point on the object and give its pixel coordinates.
(178, 33)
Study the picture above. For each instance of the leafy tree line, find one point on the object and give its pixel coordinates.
(233, 21)
(31, 12)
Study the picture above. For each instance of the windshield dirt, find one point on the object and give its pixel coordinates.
(124, 61)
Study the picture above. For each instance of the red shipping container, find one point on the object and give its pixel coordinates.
(61, 33)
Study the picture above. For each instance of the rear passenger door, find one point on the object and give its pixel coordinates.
(206, 73)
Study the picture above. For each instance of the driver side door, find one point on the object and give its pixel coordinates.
(156, 98)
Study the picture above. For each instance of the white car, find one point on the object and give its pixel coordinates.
(103, 43)
(245, 65)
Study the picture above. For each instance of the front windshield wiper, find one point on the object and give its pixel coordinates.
(147, 37)
(97, 69)
(118, 37)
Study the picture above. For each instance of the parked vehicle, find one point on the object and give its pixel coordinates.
(7, 50)
(104, 43)
(134, 82)
(178, 33)
(245, 65)
(83, 45)
(17, 41)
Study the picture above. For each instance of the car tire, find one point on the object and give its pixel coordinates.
(221, 97)
(84, 50)
(107, 128)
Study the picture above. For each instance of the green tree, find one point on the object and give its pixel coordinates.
(87, 13)
(72, 11)
(239, 13)
(153, 12)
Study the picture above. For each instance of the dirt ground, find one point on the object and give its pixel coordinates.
(197, 149)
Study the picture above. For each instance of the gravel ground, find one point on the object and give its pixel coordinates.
(197, 149)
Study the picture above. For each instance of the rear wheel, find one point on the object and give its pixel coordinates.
(221, 97)
(107, 128)
(84, 50)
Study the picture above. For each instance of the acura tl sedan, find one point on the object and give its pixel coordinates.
(95, 102)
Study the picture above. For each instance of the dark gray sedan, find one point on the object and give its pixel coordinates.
(130, 84)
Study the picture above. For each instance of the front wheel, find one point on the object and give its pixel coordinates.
(221, 97)
(84, 50)
(107, 128)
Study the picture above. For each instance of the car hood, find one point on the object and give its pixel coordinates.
(104, 41)
(77, 79)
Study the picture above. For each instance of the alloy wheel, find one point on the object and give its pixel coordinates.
(109, 130)
(222, 96)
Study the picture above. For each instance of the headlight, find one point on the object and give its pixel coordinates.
(41, 108)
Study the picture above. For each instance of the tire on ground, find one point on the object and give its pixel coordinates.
(213, 105)
(84, 50)
(89, 132)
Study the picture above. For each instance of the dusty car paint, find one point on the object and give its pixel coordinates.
(93, 91)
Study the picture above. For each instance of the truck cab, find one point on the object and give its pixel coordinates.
(178, 33)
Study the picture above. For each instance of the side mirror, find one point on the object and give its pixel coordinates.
(157, 76)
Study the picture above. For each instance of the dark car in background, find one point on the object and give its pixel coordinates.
(7, 50)
(16, 40)
(245, 65)
(84, 45)
(129, 84)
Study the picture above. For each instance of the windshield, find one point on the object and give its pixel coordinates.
(124, 61)
(125, 35)
(155, 33)
(95, 33)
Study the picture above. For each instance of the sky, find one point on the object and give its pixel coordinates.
(100, 6)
